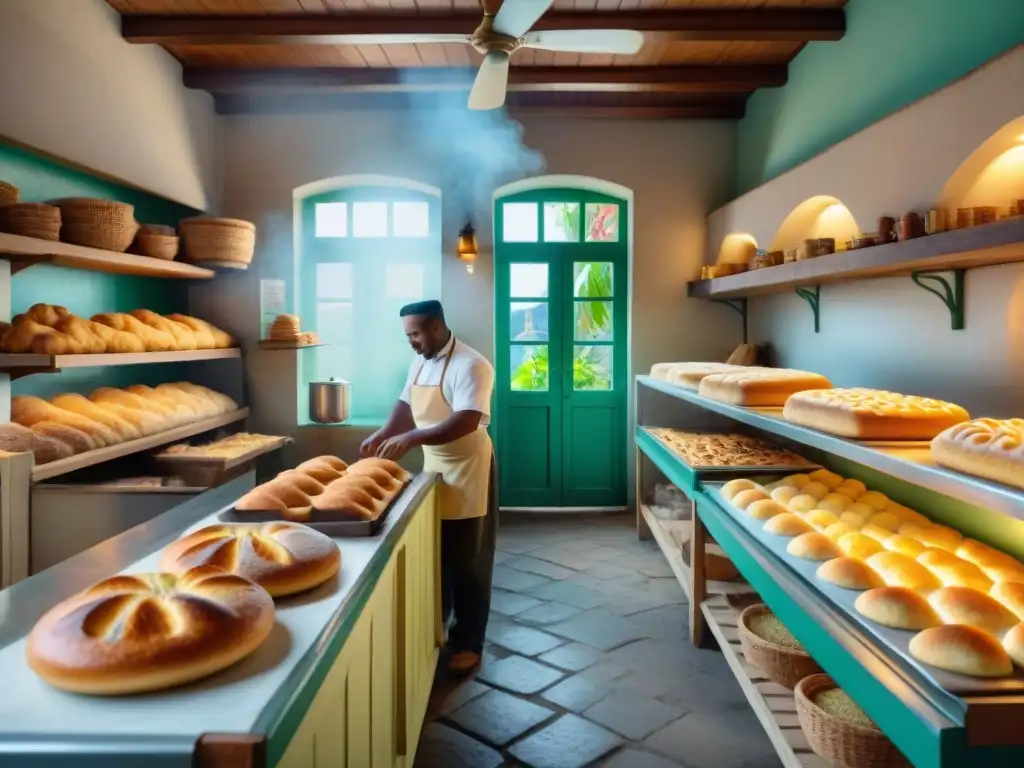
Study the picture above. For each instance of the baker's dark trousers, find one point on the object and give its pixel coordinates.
(467, 565)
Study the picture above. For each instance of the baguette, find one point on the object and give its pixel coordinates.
(28, 411)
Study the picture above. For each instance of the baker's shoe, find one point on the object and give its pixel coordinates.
(463, 662)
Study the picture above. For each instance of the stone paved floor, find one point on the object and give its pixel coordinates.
(589, 663)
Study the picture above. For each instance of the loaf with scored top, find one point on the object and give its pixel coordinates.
(988, 448)
(759, 387)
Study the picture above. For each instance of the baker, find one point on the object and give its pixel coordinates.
(445, 409)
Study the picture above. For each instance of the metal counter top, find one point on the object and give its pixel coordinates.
(41, 726)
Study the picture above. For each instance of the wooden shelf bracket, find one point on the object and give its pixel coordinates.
(740, 306)
(950, 295)
(813, 298)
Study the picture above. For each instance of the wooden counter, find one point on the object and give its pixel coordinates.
(344, 678)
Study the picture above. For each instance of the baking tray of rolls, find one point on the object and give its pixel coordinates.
(714, 453)
(895, 641)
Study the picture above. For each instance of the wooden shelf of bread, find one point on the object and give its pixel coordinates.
(225, 453)
(48, 338)
(24, 252)
(69, 432)
(987, 245)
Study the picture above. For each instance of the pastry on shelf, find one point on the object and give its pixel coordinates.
(898, 608)
(871, 414)
(229, 447)
(284, 558)
(759, 387)
(961, 649)
(205, 333)
(135, 633)
(285, 328)
(988, 448)
(730, 450)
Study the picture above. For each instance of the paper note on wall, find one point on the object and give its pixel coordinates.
(272, 302)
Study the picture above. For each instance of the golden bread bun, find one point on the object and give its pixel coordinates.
(862, 509)
(322, 473)
(730, 489)
(748, 496)
(784, 494)
(986, 556)
(940, 536)
(279, 495)
(858, 545)
(834, 502)
(963, 605)
(319, 461)
(963, 574)
(876, 533)
(852, 488)
(827, 478)
(852, 519)
(788, 524)
(388, 482)
(818, 490)
(349, 502)
(849, 573)
(283, 558)
(905, 545)
(145, 632)
(874, 499)
(1013, 644)
(820, 518)
(908, 515)
(961, 649)
(837, 530)
(933, 556)
(1010, 594)
(886, 520)
(797, 481)
(897, 607)
(900, 571)
(803, 503)
(764, 509)
(813, 546)
(373, 466)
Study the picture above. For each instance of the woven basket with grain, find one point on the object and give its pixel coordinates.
(104, 224)
(839, 740)
(218, 242)
(36, 220)
(782, 659)
(8, 193)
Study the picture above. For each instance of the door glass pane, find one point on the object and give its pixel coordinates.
(592, 280)
(331, 219)
(411, 219)
(519, 222)
(602, 222)
(528, 321)
(334, 281)
(528, 281)
(404, 281)
(369, 219)
(593, 321)
(529, 367)
(561, 222)
(592, 368)
(334, 322)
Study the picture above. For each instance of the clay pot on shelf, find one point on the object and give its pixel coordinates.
(886, 229)
(911, 226)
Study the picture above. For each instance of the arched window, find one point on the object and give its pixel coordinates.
(369, 244)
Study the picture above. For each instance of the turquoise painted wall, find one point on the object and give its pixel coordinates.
(86, 293)
(894, 53)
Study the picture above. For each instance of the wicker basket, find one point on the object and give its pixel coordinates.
(839, 741)
(36, 220)
(103, 224)
(155, 246)
(8, 193)
(218, 242)
(157, 229)
(785, 666)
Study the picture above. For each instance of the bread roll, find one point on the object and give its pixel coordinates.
(788, 524)
(183, 337)
(146, 632)
(858, 545)
(744, 499)
(221, 340)
(988, 448)
(116, 342)
(15, 438)
(762, 509)
(803, 503)
(905, 545)
(152, 339)
(147, 422)
(985, 556)
(303, 482)
(849, 573)
(820, 519)
(759, 387)
(349, 502)
(75, 439)
(1013, 644)
(851, 488)
(830, 479)
(932, 556)
(798, 480)
(961, 649)
(813, 546)
(900, 571)
(83, 406)
(393, 486)
(878, 534)
(47, 314)
(818, 490)
(733, 487)
(834, 503)
(886, 520)
(1010, 594)
(897, 607)
(837, 530)
(283, 558)
(940, 536)
(784, 494)
(861, 510)
(963, 605)
(322, 473)
(326, 460)
(180, 412)
(279, 496)
(371, 466)
(27, 410)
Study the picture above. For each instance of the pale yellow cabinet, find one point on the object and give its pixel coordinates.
(369, 711)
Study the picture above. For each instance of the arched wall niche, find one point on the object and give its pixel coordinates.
(737, 248)
(816, 217)
(993, 174)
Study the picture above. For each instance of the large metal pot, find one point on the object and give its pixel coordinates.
(328, 401)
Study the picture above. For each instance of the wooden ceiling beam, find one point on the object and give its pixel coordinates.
(797, 25)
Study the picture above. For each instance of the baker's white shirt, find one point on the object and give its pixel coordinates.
(468, 384)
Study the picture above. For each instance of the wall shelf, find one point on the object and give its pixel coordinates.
(24, 252)
(982, 246)
(111, 452)
(19, 365)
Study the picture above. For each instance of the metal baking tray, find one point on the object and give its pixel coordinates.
(741, 470)
(895, 641)
(322, 521)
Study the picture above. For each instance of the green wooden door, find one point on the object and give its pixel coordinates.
(561, 287)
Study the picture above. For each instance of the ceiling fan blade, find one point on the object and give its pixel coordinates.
(491, 82)
(517, 16)
(618, 41)
(403, 39)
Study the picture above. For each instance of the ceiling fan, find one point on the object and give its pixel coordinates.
(506, 28)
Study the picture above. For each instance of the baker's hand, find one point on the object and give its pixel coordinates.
(396, 447)
(370, 445)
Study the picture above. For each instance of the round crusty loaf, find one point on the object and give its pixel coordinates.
(283, 558)
(962, 649)
(146, 632)
(372, 465)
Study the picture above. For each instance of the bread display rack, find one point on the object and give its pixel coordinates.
(19, 365)
(934, 718)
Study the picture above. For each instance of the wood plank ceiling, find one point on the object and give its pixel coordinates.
(700, 59)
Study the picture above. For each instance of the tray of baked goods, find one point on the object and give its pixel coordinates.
(226, 453)
(328, 495)
(715, 453)
(950, 607)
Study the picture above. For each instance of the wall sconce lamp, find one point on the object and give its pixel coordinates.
(468, 248)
